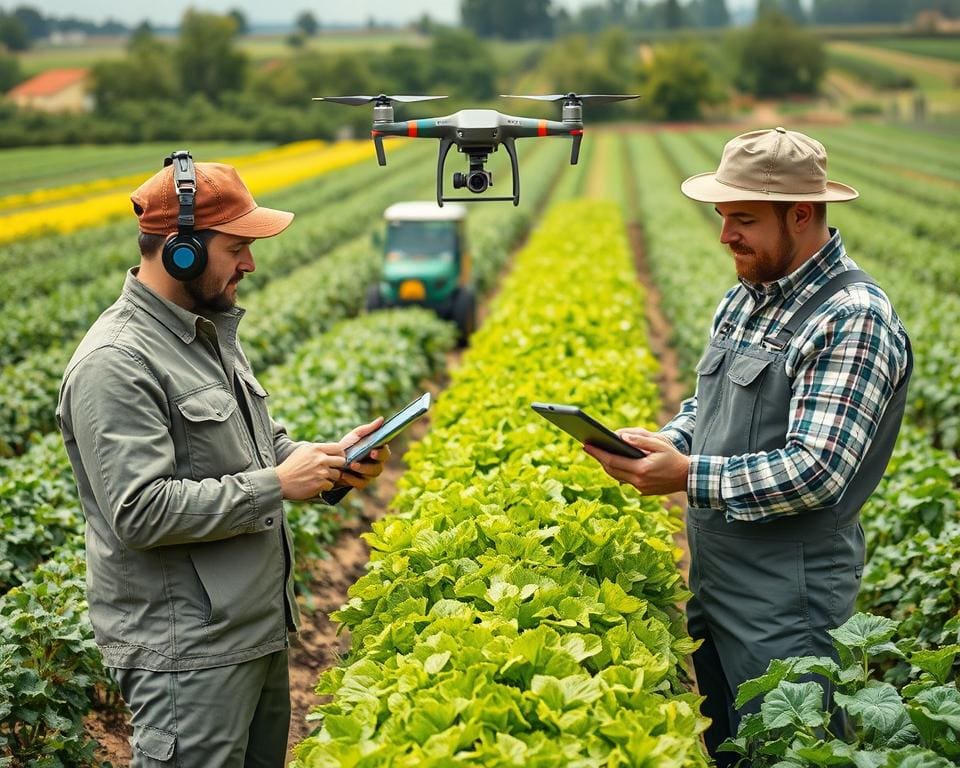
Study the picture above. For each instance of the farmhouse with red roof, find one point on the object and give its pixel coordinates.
(56, 90)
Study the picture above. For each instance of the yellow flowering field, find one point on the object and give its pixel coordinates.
(66, 209)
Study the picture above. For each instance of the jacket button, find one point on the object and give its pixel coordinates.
(268, 521)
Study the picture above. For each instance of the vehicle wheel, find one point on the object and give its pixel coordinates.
(374, 301)
(465, 314)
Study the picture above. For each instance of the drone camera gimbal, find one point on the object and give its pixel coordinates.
(477, 133)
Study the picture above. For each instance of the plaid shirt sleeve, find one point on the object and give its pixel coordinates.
(679, 430)
(847, 370)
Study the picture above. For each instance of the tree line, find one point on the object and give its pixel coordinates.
(201, 85)
(524, 19)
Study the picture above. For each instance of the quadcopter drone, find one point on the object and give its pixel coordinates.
(477, 133)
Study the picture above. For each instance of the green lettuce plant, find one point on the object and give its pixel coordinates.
(916, 726)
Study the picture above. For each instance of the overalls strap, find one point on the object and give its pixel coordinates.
(837, 283)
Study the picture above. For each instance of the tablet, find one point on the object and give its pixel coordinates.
(389, 429)
(586, 429)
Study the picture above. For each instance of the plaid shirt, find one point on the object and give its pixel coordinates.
(845, 364)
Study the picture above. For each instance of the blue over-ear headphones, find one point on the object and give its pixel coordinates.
(184, 254)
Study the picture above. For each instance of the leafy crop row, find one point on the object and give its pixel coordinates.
(521, 607)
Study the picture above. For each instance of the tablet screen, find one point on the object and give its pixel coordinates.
(586, 429)
(389, 429)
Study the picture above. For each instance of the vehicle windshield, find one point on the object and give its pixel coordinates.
(421, 240)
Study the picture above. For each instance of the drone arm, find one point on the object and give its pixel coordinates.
(508, 144)
(378, 143)
(575, 149)
(528, 127)
(445, 144)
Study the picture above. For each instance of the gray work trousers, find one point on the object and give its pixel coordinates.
(236, 716)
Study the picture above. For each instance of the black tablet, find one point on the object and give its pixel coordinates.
(586, 429)
(389, 429)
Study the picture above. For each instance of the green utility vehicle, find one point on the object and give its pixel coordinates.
(426, 263)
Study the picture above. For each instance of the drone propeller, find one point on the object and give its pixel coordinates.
(356, 101)
(382, 112)
(585, 98)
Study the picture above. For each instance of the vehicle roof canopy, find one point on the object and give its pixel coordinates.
(425, 211)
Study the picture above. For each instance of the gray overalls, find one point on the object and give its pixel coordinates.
(766, 590)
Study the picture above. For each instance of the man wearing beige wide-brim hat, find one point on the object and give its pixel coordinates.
(800, 394)
(182, 474)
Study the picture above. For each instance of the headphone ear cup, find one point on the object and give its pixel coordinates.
(184, 257)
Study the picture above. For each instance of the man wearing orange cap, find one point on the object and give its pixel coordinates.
(800, 395)
(182, 474)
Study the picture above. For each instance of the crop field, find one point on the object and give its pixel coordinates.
(519, 606)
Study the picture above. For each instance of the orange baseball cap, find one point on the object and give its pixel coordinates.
(222, 203)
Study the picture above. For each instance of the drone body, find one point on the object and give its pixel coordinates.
(476, 133)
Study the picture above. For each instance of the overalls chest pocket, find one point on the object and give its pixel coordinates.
(216, 439)
(746, 374)
(708, 367)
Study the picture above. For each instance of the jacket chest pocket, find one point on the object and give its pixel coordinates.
(257, 400)
(216, 439)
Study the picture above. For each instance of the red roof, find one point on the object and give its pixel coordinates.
(50, 82)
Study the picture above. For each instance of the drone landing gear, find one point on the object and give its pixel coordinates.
(477, 179)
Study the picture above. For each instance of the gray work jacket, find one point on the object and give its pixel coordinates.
(189, 560)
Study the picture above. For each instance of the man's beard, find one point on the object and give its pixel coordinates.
(208, 298)
(767, 267)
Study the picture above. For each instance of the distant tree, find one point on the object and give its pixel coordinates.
(296, 39)
(866, 11)
(38, 27)
(776, 58)
(592, 19)
(10, 73)
(462, 63)
(307, 23)
(425, 24)
(207, 62)
(618, 11)
(677, 83)
(243, 26)
(714, 13)
(767, 8)
(403, 69)
(147, 73)
(13, 33)
(673, 16)
(509, 19)
(142, 36)
(794, 10)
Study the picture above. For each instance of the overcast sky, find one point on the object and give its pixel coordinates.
(168, 13)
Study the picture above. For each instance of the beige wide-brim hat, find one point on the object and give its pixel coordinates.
(769, 165)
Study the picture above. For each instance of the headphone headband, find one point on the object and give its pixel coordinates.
(185, 184)
(184, 255)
